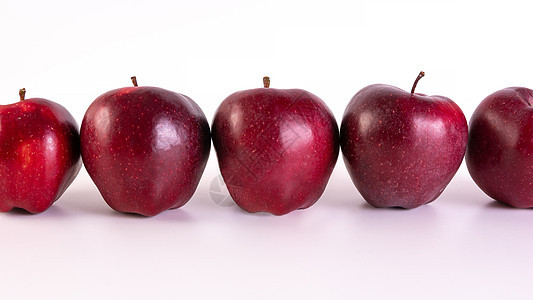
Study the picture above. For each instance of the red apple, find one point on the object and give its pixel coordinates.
(402, 149)
(145, 148)
(276, 148)
(40, 153)
(499, 156)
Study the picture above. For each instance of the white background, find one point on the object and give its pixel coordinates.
(463, 245)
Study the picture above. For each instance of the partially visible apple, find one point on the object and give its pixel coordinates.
(145, 148)
(499, 156)
(39, 153)
(276, 148)
(402, 149)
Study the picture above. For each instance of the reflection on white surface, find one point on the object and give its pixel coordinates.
(461, 240)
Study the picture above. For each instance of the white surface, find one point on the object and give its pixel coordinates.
(462, 246)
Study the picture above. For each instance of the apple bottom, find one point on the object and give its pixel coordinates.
(278, 203)
(503, 174)
(277, 184)
(147, 189)
(137, 204)
(273, 197)
(407, 183)
(34, 190)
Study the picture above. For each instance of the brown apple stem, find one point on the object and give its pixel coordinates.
(134, 80)
(420, 75)
(266, 82)
(22, 94)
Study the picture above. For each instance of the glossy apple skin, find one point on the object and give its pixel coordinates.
(499, 156)
(276, 148)
(402, 149)
(40, 154)
(145, 148)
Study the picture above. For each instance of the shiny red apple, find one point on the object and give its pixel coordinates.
(145, 148)
(499, 156)
(402, 148)
(276, 148)
(39, 153)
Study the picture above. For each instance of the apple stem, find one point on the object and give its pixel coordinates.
(134, 80)
(22, 94)
(420, 75)
(266, 82)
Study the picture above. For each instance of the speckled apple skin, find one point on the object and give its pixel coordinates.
(402, 149)
(276, 148)
(39, 154)
(499, 156)
(145, 148)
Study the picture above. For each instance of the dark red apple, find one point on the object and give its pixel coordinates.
(145, 148)
(276, 148)
(40, 153)
(499, 156)
(402, 149)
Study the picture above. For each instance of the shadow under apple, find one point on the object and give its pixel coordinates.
(84, 201)
(89, 201)
(53, 212)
